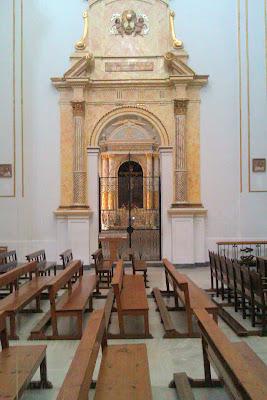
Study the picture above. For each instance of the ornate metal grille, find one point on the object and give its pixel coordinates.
(131, 203)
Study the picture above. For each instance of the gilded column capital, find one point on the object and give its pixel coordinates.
(78, 108)
(180, 107)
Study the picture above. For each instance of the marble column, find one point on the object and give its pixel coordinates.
(104, 182)
(149, 188)
(166, 168)
(111, 183)
(180, 108)
(93, 196)
(79, 162)
(156, 180)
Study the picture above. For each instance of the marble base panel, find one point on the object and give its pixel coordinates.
(187, 236)
(73, 233)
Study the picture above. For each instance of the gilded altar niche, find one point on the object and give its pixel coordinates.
(129, 67)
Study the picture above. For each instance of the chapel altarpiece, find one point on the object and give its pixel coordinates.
(129, 96)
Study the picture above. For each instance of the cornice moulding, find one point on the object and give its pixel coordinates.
(187, 212)
(72, 213)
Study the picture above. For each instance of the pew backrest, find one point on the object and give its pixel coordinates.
(65, 278)
(117, 282)
(77, 382)
(37, 256)
(66, 257)
(178, 280)
(241, 381)
(14, 274)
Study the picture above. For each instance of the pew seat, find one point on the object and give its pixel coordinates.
(123, 373)
(18, 365)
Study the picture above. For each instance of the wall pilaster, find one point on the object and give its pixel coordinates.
(181, 176)
(79, 162)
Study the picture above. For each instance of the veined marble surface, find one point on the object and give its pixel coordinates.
(166, 356)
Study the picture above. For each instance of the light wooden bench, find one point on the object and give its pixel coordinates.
(191, 296)
(23, 294)
(131, 299)
(43, 265)
(240, 370)
(73, 302)
(124, 370)
(18, 365)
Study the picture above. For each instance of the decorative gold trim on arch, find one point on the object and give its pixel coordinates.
(121, 111)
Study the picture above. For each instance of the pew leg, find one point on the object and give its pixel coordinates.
(91, 303)
(211, 280)
(121, 323)
(146, 324)
(43, 375)
(13, 331)
(206, 362)
(189, 317)
(167, 283)
(54, 325)
(80, 325)
(38, 304)
(44, 382)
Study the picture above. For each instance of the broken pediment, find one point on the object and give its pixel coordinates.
(177, 66)
(81, 68)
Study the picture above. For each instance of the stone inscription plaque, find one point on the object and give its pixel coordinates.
(128, 66)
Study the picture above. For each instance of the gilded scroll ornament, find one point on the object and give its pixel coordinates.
(81, 45)
(129, 23)
(177, 44)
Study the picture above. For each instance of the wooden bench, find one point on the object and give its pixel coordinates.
(240, 370)
(139, 266)
(66, 257)
(23, 294)
(73, 301)
(123, 373)
(43, 265)
(131, 299)
(103, 269)
(191, 296)
(18, 365)
(8, 260)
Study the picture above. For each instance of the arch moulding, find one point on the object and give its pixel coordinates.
(121, 112)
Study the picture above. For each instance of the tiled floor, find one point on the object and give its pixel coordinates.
(166, 356)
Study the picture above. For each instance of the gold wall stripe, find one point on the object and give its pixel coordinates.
(240, 96)
(265, 23)
(248, 90)
(248, 94)
(22, 94)
(13, 100)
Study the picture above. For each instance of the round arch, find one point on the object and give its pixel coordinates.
(121, 112)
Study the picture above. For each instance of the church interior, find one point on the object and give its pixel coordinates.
(133, 196)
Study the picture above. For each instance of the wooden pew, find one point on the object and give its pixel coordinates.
(189, 294)
(73, 302)
(130, 295)
(66, 257)
(103, 269)
(22, 295)
(240, 370)
(18, 365)
(8, 260)
(124, 370)
(43, 265)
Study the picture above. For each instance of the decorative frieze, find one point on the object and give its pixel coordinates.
(128, 66)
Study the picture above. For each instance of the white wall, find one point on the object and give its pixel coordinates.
(210, 35)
